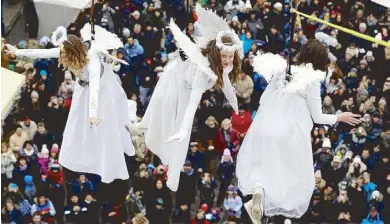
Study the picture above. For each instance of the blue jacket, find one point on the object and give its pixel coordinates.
(133, 52)
(259, 82)
(371, 220)
(88, 187)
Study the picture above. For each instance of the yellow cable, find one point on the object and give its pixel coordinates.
(349, 31)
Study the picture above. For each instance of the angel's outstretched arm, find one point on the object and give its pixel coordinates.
(199, 86)
(313, 100)
(39, 53)
(94, 70)
(229, 92)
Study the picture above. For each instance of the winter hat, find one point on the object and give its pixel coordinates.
(136, 13)
(45, 150)
(369, 54)
(318, 174)
(193, 144)
(235, 19)
(376, 194)
(151, 167)
(248, 5)
(227, 156)
(204, 207)
(278, 5)
(43, 73)
(188, 163)
(54, 150)
(126, 32)
(362, 26)
(44, 41)
(356, 160)
(354, 70)
(287, 221)
(231, 188)
(363, 92)
(326, 143)
(348, 155)
(337, 159)
(34, 94)
(28, 179)
(55, 166)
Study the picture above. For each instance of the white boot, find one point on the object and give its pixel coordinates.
(255, 206)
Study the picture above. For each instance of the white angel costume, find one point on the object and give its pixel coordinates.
(276, 154)
(98, 149)
(178, 92)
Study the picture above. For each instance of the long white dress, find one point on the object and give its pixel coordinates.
(172, 107)
(100, 149)
(276, 153)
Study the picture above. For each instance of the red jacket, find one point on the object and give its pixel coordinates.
(193, 221)
(241, 124)
(220, 143)
(57, 177)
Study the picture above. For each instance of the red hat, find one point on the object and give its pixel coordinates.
(26, 118)
(204, 207)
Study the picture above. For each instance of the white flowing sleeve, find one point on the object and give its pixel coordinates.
(199, 86)
(229, 92)
(39, 53)
(94, 69)
(313, 99)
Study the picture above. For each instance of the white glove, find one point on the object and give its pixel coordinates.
(228, 70)
(180, 136)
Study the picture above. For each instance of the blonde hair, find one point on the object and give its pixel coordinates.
(226, 122)
(73, 55)
(211, 119)
(140, 219)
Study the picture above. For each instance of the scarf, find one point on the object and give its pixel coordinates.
(23, 168)
(226, 136)
(28, 152)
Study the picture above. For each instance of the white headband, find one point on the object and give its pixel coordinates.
(237, 44)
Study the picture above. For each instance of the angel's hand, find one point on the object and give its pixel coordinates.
(180, 136)
(11, 49)
(94, 121)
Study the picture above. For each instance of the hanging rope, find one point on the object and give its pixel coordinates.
(292, 31)
(92, 20)
(343, 29)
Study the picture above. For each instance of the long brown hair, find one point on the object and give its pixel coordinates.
(314, 52)
(212, 52)
(73, 54)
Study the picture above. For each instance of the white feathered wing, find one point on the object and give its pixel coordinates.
(210, 24)
(191, 50)
(103, 40)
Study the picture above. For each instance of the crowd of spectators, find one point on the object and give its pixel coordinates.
(351, 163)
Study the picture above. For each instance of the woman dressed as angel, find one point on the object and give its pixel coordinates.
(95, 138)
(213, 62)
(275, 162)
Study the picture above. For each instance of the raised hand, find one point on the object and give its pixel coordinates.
(349, 118)
(180, 136)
